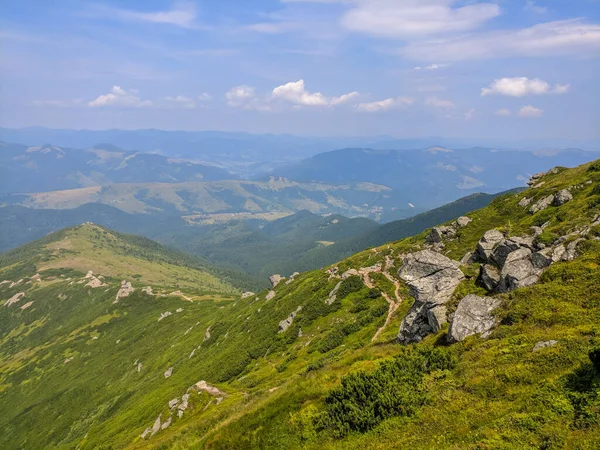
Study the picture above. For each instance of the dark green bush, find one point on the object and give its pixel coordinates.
(595, 167)
(374, 293)
(595, 358)
(363, 400)
(349, 285)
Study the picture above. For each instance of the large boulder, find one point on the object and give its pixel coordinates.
(286, 323)
(518, 271)
(562, 197)
(463, 221)
(487, 243)
(275, 279)
(473, 316)
(542, 204)
(489, 277)
(432, 279)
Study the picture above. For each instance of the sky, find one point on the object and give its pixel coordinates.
(405, 68)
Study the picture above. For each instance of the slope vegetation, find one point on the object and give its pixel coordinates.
(315, 362)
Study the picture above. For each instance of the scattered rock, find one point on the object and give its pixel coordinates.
(535, 178)
(469, 258)
(544, 344)
(349, 273)
(156, 426)
(562, 197)
(543, 258)
(489, 277)
(248, 294)
(333, 294)
(571, 250)
(183, 405)
(125, 290)
(68, 360)
(524, 202)
(140, 366)
(286, 323)
(146, 433)
(179, 310)
(463, 221)
(537, 230)
(37, 278)
(14, 299)
(487, 243)
(275, 279)
(596, 221)
(169, 372)
(440, 234)
(432, 279)
(542, 204)
(270, 295)
(207, 333)
(166, 424)
(15, 283)
(173, 403)
(164, 315)
(212, 390)
(95, 283)
(473, 316)
(518, 271)
(148, 290)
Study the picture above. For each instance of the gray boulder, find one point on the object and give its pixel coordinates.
(275, 279)
(571, 250)
(489, 277)
(286, 323)
(524, 202)
(543, 258)
(439, 234)
(518, 271)
(487, 243)
(562, 197)
(544, 344)
(432, 279)
(463, 221)
(542, 204)
(473, 316)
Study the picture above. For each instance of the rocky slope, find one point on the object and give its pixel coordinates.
(479, 333)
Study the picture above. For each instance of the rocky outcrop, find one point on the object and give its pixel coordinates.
(148, 290)
(518, 271)
(432, 279)
(463, 221)
(524, 202)
(489, 277)
(125, 290)
(14, 299)
(275, 279)
(544, 344)
(212, 390)
(169, 372)
(286, 323)
(248, 294)
(333, 294)
(348, 273)
(473, 316)
(173, 403)
(440, 234)
(26, 305)
(270, 295)
(185, 398)
(165, 315)
(542, 204)
(487, 243)
(562, 197)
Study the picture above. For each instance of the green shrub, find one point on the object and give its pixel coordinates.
(595, 358)
(373, 293)
(349, 285)
(363, 400)
(595, 167)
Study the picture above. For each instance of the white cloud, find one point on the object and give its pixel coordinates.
(530, 112)
(183, 15)
(503, 112)
(470, 114)
(406, 18)
(439, 103)
(522, 86)
(121, 98)
(531, 6)
(295, 92)
(431, 67)
(561, 38)
(240, 95)
(384, 105)
(182, 102)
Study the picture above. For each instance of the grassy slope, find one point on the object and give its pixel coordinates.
(499, 395)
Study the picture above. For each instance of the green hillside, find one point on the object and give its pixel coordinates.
(315, 362)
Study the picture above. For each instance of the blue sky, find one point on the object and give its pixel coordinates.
(407, 68)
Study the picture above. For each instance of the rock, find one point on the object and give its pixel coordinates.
(332, 295)
(148, 290)
(156, 426)
(183, 405)
(432, 279)
(146, 433)
(469, 258)
(270, 295)
(169, 372)
(489, 277)
(295, 274)
(212, 390)
(248, 294)
(286, 323)
(26, 305)
(473, 316)
(125, 290)
(542, 204)
(558, 253)
(14, 299)
(536, 230)
(15, 283)
(207, 333)
(275, 279)
(463, 221)
(348, 273)
(535, 178)
(36, 278)
(439, 234)
(596, 220)
(68, 360)
(524, 202)
(542, 259)
(544, 344)
(179, 310)
(486, 244)
(562, 197)
(140, 366)
(518, 271)
(166, 424)
(165, 315)
(173, 403)
(502, 250)
(571, 250)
